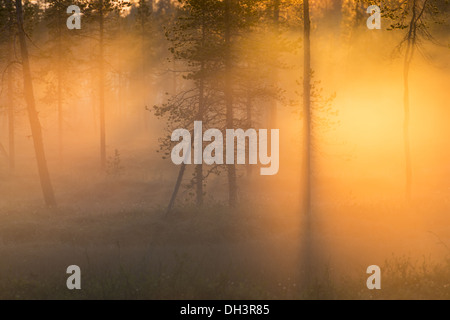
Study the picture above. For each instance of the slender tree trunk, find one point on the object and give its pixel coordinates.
(102, 91)
(307, 112)
(249, 107)
(11, 122)
(60, 111)
(409, 55)
(60, 117)
(178, 183)
(406, 139)
(36, 130)
(119, 36)
(276, 13)
(200, 117)
(336, 11)
(232, 184)
(93, 96)
(144, 56)
(143, 46)
(174, 77)
(199, 184)
(306, 198)
(199, 167)
(176, 189)
(359, 16)
(357, 22)
(180, 175)
(273, 112)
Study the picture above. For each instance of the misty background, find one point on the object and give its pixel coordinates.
(109, 95)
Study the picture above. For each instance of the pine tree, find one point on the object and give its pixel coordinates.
(36, 129)
(103, 13)
(416, 17)
(59, 64)
(206, 39)
(193, 45)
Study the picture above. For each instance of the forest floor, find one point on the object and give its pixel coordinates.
(116, 231)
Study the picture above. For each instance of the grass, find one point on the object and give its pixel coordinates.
(116, 231)
(402, 279)
(209, 254)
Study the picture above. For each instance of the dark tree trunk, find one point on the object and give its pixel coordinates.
(306, 198)
(199, 167)
(307, 112)
(409, 55)
(199, 184)
(102, 91)
(60, 107)
(176, 189)
(200, 117)
(144, 57)
(336, 12)
(406, 140)
(249, 107)
(10, 101)
(232, 184)
(36, 130)
(273, 112)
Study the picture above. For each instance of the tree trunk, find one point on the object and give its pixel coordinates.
(11, 122)
(60, 116)
(36, 130)
(249, 107)
(336, 12)
(199, 167)
(176, 189)
(59, 75)
(273, 112)
(199, 184)
(10, 101)
(142, 4)
(276, 13)
(102, 91)
(307, 112)
(409, 55)
(306, 198)
(406, 139)
(200, 117)
(232, 184)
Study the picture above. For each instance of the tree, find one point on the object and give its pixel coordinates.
(101, 11)
(8, 24)
(102, 7)
(144, 26)
(206, 40)
(209, 41)
(192, 44)
(144, 13)
(10, 75)
(414, 16)
(276, 23)
(59, 67)
(228, 95)
(306, 198)
(36, 130)
(234, 23)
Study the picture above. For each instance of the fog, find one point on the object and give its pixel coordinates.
(114, 217)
